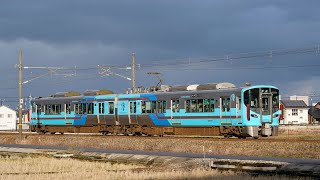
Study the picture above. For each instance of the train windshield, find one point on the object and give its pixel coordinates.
(264, 99)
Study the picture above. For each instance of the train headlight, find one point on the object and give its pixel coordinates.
(254, 115)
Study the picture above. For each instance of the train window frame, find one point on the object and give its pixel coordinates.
(175, 105)
(147, 107)
(208, 105)
(161, 106)
(199, 105)
(68, 108)
(53, 109)
(111, 110)
(89, 108)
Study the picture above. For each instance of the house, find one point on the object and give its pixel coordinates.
(314, 114)
(303, 98)
(25, 119)
(294, 112)
(8, 118)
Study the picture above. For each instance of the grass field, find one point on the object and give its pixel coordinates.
(39, 167)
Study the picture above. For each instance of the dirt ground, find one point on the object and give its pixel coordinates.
(294, 146)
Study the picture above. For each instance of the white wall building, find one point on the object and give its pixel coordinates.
(8, 118)
(294, 112)
(303, 98)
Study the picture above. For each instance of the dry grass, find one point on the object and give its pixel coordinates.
(51, 168)
(292, 148)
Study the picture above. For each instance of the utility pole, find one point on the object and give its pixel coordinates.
(133, 72)
(20, 96)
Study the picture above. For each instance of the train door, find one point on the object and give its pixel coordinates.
(175, 111)
(266, 107)
(38, 113)
(101, 113)
(225, 111)
(238, 110)
(133, 112)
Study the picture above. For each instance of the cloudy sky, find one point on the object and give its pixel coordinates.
(168, 36)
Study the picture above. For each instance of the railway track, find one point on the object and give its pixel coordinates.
(200, 138)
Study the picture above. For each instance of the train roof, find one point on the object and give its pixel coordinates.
(229, 90)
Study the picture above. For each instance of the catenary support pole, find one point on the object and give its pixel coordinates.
(133, 72)
(20, 96)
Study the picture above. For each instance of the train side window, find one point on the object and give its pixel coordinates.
(84, 108)
(228, 104)
(143, 107)
(223, 104)
(193, 105)
(161, 106)
(200, 105)
(68, 108)
(175, 105)
(187, 106)
(211, 105)
(76, 108)
(146, 107)
(153, 106)
(90, 108)
(111, 108)
(208, 105)
(38, 108)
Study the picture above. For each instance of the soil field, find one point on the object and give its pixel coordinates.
(298, 146)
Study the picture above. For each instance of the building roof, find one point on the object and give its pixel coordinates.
(314, 112)
(294, 104)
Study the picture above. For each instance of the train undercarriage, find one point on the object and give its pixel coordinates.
(226, 131)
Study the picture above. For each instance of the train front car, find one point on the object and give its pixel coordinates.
(261, 111)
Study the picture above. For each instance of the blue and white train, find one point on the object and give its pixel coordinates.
(204, 110)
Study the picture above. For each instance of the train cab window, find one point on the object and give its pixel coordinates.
(254, 98)
(101, 108)
(111, 108)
